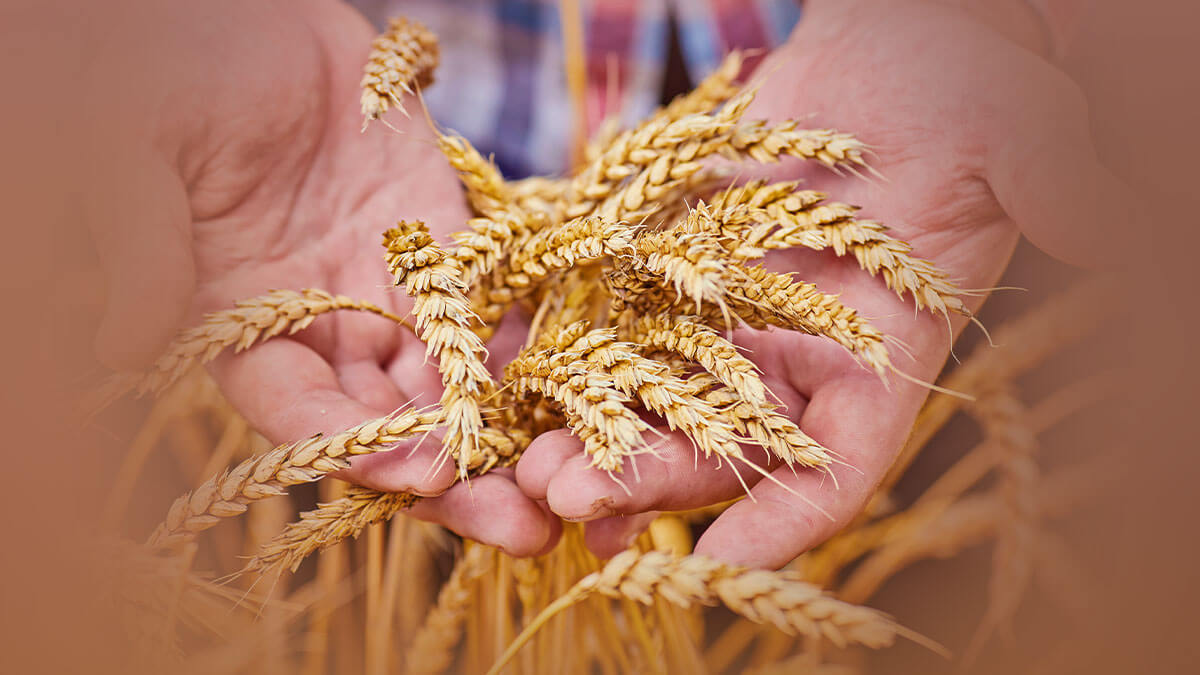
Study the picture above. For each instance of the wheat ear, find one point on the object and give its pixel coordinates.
(770, 299)
(336, 521)
(802, 219)
(560, 248)
(720, 86)
(596, 409)
(251, 321)
(268, 474)
(402, 60)
(766, 427)
(778, 598)
(432, 649)
(444, 319)
(487, 193)
(703, 345)
(767, 143)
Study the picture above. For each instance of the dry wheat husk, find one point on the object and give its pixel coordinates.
(443, 321)
(789, 604)
(346, 517)
(268, 475)
(251, 321)
(402, 60)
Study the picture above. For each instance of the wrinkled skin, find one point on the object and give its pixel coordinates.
(245, 163)
(255, 176)
(940, 96)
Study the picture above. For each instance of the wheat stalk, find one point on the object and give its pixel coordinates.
(266, 475)
(1006, 423)
(402, 60)
(432, 649)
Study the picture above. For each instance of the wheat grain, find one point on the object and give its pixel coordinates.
(402, 60)
(267, 475)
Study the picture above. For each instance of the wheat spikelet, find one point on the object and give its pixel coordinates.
(487, 193)
(770, 299)
(432, 649)
(336, 521)
(703, 345)
(763, 425)
(767, 143)
(267, 475)
(560, 248)
(596, 409)
(251, 321)
(778, 598)
(444, 317)
(402, 60)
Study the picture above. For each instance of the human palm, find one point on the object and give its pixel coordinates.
(940, 98)
(266, 181)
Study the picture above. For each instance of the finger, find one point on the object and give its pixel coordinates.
(492, 510)
(141, 224)
(853, 416)
(676, 477)
(607, 537)
(286, 391)
(543, 458)
(1042, 166)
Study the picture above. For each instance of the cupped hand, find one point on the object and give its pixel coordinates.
(239, 167)
(978, 139)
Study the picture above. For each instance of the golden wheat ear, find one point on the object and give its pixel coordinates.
(268, 475)
(251, 321)
(402, 60)
(781, 599)
(444, 320)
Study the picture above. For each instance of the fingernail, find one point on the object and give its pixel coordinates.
(601, 508)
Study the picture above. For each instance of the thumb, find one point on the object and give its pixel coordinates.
(1044, 171)
(140, 221)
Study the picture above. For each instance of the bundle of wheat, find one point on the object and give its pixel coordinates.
(632, 269)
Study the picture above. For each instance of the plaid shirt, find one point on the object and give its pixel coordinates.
(501, 81)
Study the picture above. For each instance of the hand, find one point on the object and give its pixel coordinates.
(246, 171)
(979, 140)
